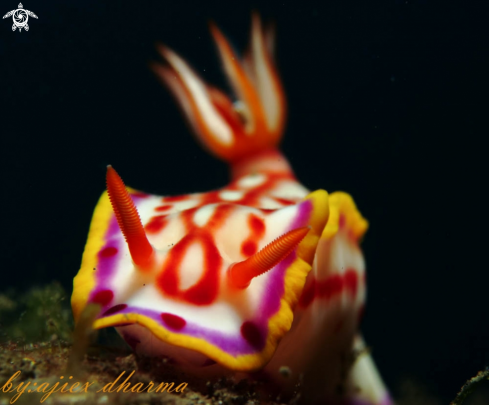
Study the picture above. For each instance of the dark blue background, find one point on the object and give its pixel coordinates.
(386, 102)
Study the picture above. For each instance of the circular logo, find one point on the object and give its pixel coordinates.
(20, 17)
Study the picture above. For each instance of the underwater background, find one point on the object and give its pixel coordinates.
(387, 101)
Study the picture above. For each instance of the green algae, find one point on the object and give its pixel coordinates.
(40, 314)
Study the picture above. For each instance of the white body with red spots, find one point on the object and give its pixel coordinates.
(170, 290)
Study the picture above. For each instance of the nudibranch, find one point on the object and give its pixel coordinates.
(259, 278)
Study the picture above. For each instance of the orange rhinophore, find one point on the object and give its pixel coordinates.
(240, 274)
(128, 219)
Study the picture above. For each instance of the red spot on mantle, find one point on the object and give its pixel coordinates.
(173, 321)
(103, 297)
(252, 334)
(163, 207)
(249, 248)
(139, 194)
(331, 286)
(351, 282)
(257, 228)
(221, 213)
(257, 225)
(155, 224)
(107, 252)
(307, 295)
(326, 289)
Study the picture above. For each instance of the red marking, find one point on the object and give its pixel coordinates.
(333, 285)
(103, 297)
(217, 219)
(107, 252)
(115, 309)
(211, 197)
(175, 198)
(164, 207)
(187, 218)
(221, 213)
(139, 194)
(131, 340)
(256, 225)
(251, 333)
(204, 292)
(249, 248)
(156, 224)
(252, 196)
(307, 295)
(329, 288)
(284, 201)
(342, 221)
(351, 282)
(173, 321)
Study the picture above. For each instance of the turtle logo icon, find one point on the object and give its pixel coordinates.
(20, 17)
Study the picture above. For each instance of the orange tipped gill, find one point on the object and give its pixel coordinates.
(240, 274)
(129, 221)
